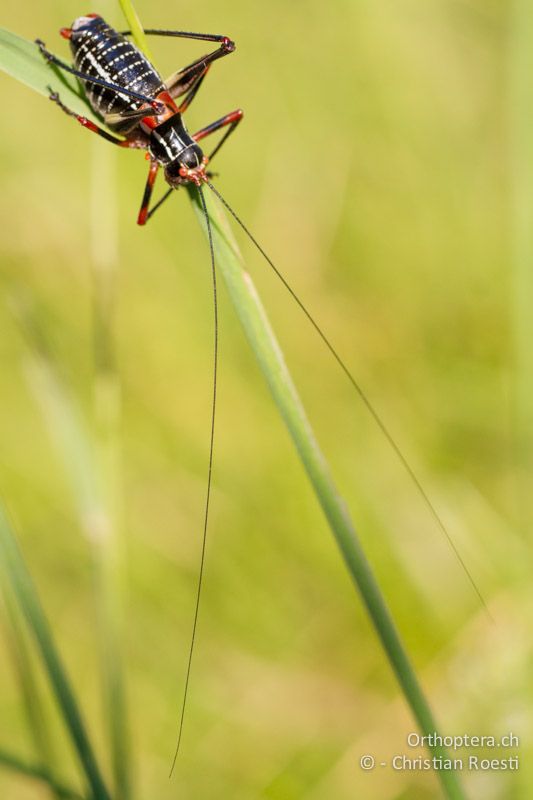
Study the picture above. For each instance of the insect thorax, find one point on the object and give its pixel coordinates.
(171, 142)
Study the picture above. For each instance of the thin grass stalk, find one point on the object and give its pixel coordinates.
(520, 142)
(270, 359)
(108, 547)
(520, 111)
(16, 574)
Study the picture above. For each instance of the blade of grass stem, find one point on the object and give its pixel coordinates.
(92, 469)
(520, 166)
(520, 99)
(70, 437)
(107, 408)
(16, 764)
(16, 573)
(270, 359)
(136, 28)
(36, 718)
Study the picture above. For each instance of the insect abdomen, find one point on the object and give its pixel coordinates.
(101, 52)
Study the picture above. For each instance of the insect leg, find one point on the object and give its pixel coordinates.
(152, 174)
(87, 123)
(232, 119)
(157, 205)
(188, 79)
(167, 194)
(203, 37)
(52, 59)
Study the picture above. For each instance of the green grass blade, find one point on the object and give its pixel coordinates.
(91, 468)
(22, 60)
(35, 715)
(16, 764)
(108, 463)
(270, 358)
(136, 28)
(520, 123)
(68, 432)
(16, 573)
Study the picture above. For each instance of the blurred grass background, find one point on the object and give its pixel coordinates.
(384, 163)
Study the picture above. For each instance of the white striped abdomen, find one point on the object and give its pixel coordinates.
(102, 52)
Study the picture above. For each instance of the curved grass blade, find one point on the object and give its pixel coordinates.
(270, 359)
(22, 60)
(18, 577)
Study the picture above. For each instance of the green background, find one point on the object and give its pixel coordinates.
(385, 162)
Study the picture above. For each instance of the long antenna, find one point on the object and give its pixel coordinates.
(377, 419)
(208, 493)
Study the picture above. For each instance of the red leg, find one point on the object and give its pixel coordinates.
(232, 119)
(152, 174)
(87, 123)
